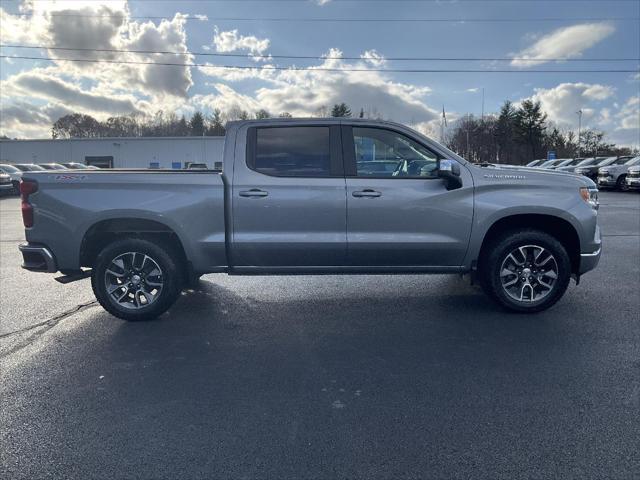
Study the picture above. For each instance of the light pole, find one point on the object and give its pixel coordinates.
(579, 112)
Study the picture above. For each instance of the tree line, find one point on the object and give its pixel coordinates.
(516, 135)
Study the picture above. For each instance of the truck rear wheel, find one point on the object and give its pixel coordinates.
(135, 279)
(526, 271)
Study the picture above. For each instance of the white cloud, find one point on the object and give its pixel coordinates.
(472, 90)
(97, 89)
(629, 115)
(40, 83)
(106, 25)
(307, 92)
(563, 43)
(563, 101)
(373, 57)
(231, 41)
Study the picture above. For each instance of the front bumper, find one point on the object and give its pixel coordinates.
(37, 258)
(606, 181)
(590, 260)
(633, 183)
(6, 188)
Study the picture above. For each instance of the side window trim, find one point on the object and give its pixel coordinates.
(349, 153)
(336, 163)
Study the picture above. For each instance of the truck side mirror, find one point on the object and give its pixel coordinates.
(449, 171)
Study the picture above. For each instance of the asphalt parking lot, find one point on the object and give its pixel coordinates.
(324, 376)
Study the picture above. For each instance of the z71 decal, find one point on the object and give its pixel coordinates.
(70, 178)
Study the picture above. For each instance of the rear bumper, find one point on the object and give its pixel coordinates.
(37, 258)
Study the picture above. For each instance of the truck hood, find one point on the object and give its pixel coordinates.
(532, 173)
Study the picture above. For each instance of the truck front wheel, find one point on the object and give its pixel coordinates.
(525, 271)
(135, 279)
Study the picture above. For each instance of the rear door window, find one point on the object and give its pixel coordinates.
(303, 151)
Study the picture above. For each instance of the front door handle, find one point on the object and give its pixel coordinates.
(254, 192)
(366, 193)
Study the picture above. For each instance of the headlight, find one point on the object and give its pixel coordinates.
(590, 195)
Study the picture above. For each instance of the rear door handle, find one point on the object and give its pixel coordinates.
(366, 193)
(254, 192)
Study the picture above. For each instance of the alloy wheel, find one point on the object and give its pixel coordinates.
(133, 280)
(529, 273)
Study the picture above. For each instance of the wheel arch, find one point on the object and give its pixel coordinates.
(106, 231)
(554, 225)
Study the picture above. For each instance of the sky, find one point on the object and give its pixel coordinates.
(536, 40)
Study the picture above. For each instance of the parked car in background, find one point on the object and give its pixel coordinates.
(302, 197)
(633, 178)
(615, 175)
(584, 162)
(559, 163)
(568, 165)
(6, 187)
(29, 167)
(53, 166)
(14, 173)
(551, 163)
(591, 171)
(535, 163)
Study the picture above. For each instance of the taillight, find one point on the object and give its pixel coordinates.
(27, 187)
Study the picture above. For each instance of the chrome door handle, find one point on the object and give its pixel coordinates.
(366, 193)
(254, 192)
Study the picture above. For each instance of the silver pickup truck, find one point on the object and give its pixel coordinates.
(313, 196)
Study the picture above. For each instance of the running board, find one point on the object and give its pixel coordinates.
(73, 277)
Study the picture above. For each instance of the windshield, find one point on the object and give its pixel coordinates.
(9, 169)
(573, 162)
(606, 161)
(587, 162)
(633, 161)
(36, 168)
(620, 161)
(564, 163)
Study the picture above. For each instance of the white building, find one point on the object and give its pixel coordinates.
(118, 152)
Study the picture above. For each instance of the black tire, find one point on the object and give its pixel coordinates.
(493, 265)
(130, 308)
(621, 184)
(16, 187)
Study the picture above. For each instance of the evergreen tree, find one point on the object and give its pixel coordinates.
(504, 132)
(197, 124)
(530, 126)
(215, 126)
(341, 110)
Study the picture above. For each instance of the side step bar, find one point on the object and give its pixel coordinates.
(73, 277)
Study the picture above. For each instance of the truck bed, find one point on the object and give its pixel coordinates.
(188, 202)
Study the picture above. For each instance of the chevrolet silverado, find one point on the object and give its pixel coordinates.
(312, 196)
